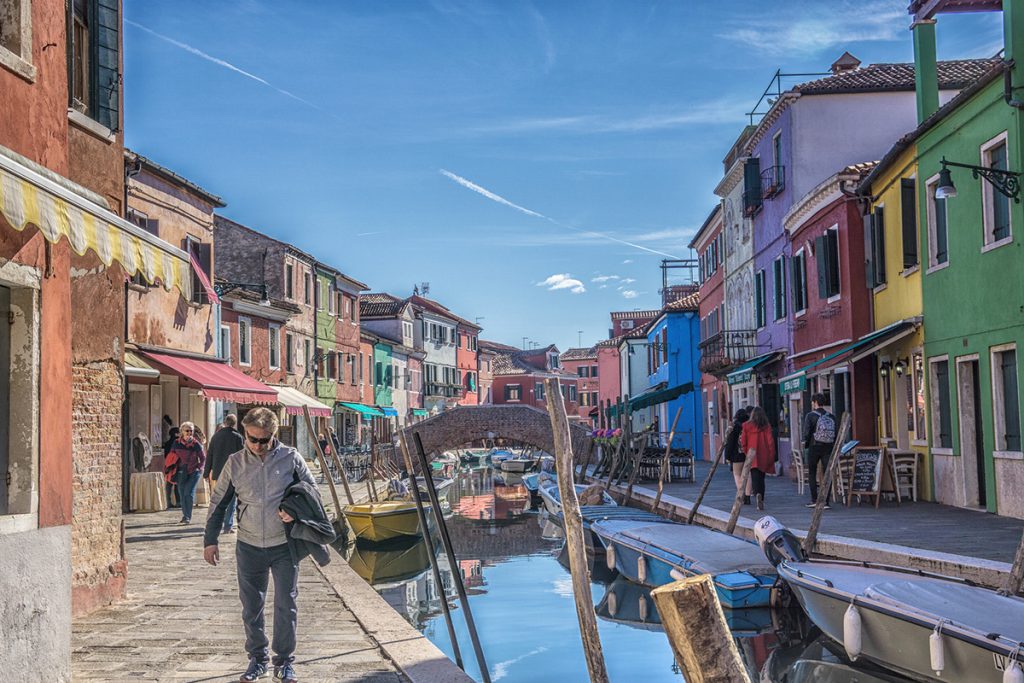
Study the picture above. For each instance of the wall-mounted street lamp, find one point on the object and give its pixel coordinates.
(884, 369)
(1006, 182)
(902, 365)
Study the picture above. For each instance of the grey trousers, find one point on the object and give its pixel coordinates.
(255, 565)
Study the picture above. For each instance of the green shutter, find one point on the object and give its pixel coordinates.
(879, 242)
(908, 210)
(821, 257)
(106, 87)
(832, 243)
(869, 250)
(751, 184)
(941, 243)
(1011, 402)
(1000, 202)
(945, 429)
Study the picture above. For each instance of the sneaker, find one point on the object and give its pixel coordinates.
(255, 672)
(285, 673)
(811, 505)
(183, 521)
(827, 506)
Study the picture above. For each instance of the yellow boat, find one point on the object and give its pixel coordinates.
(399, 560)
(378, 522)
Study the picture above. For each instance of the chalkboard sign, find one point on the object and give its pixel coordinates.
(867, 471)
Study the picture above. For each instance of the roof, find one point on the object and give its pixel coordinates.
(707, 223)
(222, 221)
(923, 10)
(494, 347)
(513, 362)
(613, 342)
(633, 315)
(169, 175)
(996, 69)
(380, 305)
(690, 302)
(441, 309)
(953, 75)
(579, 354)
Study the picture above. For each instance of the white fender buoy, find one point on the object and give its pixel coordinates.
(1013, 673)
(643, 608)
(852, 632)
(641, 569)
(613, 603)
(609, 556)
(937, 650)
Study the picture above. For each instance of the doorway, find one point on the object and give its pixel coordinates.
(972, 438)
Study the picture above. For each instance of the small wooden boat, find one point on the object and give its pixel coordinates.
(519, 464)
(598, 513)
(552, 498)
(499, 455)
(441, 484)
(926, 626)
(385, 520)
(656, 554)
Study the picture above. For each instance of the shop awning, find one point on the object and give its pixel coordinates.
(365, 411)
(861, 348)
(28, 197)
(419, 412)
(388, 411)
(661, 396)
(219, 381)
(744, 372)
(136, 367)
(294, 400)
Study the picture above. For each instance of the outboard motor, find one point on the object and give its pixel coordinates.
(777, 542)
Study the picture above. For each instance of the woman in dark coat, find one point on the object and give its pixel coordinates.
(190, 457)
(733, 455)
(757, 437)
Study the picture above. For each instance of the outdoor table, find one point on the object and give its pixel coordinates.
(146, 492)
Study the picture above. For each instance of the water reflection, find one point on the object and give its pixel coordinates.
(513, 563)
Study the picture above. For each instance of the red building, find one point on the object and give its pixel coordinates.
(711, 276)
(582, 362)
(609, 377)
(467, 360)
(829, 303)
(519, 378)
(624, 322)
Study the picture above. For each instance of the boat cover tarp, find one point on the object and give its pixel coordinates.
(969, 606)
(700, 550)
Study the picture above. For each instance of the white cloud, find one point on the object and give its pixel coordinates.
(501, 668)
(563, 281)
(604, 278)
(630, 294)
(628, 280)
(627, 261)
(603, 287)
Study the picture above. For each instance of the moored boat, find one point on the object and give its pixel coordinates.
(518, 464)
(398, 560)
(656, 554)
(382, 521)
(552, 497)
(597, 513)
(926, 626)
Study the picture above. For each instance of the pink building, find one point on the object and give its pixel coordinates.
(582, 362)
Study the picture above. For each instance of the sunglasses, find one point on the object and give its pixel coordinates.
(262, 442)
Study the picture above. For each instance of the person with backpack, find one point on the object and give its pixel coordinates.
(819, 437)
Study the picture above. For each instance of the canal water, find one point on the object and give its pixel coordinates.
(520, 591)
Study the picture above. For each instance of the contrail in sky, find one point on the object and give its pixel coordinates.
(470, 185)
(227, 65)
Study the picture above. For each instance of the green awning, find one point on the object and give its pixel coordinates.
(653, 398)
(744, 372)
(419, 412)
(365, 411)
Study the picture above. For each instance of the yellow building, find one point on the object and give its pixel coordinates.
(893, 270)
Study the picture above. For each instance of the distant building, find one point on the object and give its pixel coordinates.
(626, 322)
(582, 362)
(519, 378)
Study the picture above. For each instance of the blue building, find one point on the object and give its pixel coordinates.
(673, 376)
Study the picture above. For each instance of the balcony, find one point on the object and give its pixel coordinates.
(722, 351)
(752, 203)
(441, 389)
(773, 181)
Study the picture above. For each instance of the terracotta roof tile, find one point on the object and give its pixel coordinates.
(690, 302)
(380, 305)
(579, 354)
(953, 75)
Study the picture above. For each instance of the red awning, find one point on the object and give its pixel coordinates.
(219, 381)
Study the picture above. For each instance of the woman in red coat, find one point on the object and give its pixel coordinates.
(757, 437)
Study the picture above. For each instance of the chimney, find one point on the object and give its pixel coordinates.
(846, 62)
(926, 78)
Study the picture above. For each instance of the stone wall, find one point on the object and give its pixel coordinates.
(98, 566)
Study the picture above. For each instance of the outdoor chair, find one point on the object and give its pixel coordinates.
(801, 471)
(842, 478)
(906, 474)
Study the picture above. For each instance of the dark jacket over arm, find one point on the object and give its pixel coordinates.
(311, 531)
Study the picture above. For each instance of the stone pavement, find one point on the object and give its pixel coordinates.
(929, 526)
(182, 618)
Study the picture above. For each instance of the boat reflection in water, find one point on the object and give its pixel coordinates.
(515, 567)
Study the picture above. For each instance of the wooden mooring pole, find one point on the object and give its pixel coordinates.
(666, 461)
(737, 503)
(703, 487)
(1015, 580)
(825, 488)
(323, 463)
(696, 628)
(573, 523)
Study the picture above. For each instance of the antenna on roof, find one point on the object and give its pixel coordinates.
(425, 288)
(415, 290)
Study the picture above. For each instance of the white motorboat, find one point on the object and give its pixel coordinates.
(553, 498)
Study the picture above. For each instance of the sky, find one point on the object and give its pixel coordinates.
(533, 161)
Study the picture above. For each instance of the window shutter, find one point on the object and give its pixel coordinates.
(941, 245)
(945, 429)
(759, 298)
(821, 257)
(106, 47)
(879, 242)
(752, 184)
(869, 249)
(908, 207)
(832, 244)
(1011, 403)
(794, 265)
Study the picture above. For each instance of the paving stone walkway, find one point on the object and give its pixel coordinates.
(181, 620)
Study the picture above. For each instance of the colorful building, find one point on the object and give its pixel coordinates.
(519, 378)
(709, 243)
(582, 362)
(609, 379)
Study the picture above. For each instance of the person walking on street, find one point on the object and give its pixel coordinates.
(334, 440)
(757, 437)
(819, 436)
(190, 457)
(259, 476)
(733, 455)
(226, 441)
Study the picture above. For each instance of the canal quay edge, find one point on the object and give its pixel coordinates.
(989, 573)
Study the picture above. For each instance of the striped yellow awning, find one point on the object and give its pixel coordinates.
(29, 198)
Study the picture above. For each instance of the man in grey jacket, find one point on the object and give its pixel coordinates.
(259, 475)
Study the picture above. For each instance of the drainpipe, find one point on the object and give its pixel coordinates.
(126, 438)
(1008, 87)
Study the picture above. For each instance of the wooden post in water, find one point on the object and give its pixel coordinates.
(825, 488)
(738, 502)
(696, 628)
(703, 487)
(666, 460)
(573, 523)
(1015, 580)
(323, 463)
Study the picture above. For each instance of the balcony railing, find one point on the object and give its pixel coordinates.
(441, 389)
(773, 180)
(722, 351)
(752, 202)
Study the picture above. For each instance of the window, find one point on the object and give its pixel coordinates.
(572, 392)
(826, 250)
(938, 249)
(289, 352)
(307, 355)
(583, 371)
(94, 46)
(799, 266)
(150, 225)
(330, 299)
(664, 344)
(908, 216)
(995, 205)
(378, 377)
(941, 411)
(225, 342)
(759, 304)
(16, 37)
(1006, 399)
(513, 392)
(244, 341)
(307, 288)
(751, 186)
(289, 277)
(593, 371)
(474, 343)
(919, 402)
(204, 258)
(348, 311)
(593, 398)
(538, 391)
(874, 243)
(275, 347)
(360, 367)
(779, 279)
(318, 295)
(352, 372)
(584, 399)
(406, 332)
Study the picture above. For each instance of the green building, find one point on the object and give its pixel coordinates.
(383, 375)
(973, 269)
(325, 335)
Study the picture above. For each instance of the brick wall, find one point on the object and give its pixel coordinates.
(99, 569)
